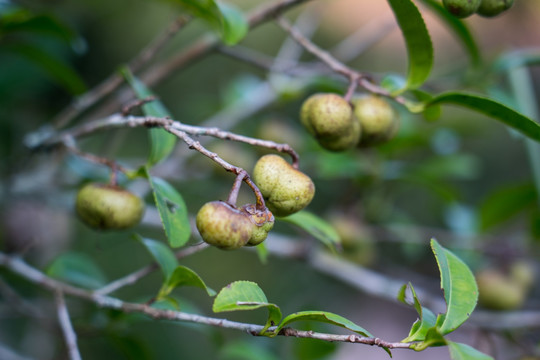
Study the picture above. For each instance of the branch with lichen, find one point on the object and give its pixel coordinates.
(21, 268)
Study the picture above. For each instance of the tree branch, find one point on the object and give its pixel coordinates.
(67, 329)
(18, 266)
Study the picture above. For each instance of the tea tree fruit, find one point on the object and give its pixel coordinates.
(329, 118)
(285, 189)
(108, 207)
(378, 119)
(263, 221)
(223, 225)
(491, 8)
(498, 291)
(462, 8)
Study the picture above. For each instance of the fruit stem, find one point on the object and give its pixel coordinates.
(233, 195)
(353, 84)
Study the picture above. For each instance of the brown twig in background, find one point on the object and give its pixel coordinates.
(67, 329)
(19, 267)
(335, 64)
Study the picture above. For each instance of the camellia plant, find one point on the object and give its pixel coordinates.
(322, 184)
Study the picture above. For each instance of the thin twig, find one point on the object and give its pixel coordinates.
(135, 276)
(67, 329)
(334, 64)
(18, 266)
(110, 84)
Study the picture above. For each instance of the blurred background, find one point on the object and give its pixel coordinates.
(464, 178)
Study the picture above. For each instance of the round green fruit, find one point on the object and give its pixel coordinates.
(462, 8)
(491, 8)
(328, 117)
(263, 221)
(498, 291)
(108, 207)
(378, 119)
(285, 189)
(223, 225)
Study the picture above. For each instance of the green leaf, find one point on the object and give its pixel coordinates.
(433, 338)
(226, 19)
(183, 276)
(448, 167)
(492, 109)
(77, 269)
(459, 28)
(460, 351)
(162, 143)
(235, 25)
(57, 70)
(504, 203)
(417, 41)
(246, 295)
(426, 320)
(314, 225)
(325, 317)
(172, 210)
(459, 286)
(161, 253)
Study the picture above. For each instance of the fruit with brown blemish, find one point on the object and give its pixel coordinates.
(462, 8)
(262, 220)
(108, 207)
(378, 119)
(329, 118)
(285, 189)
(224, 226)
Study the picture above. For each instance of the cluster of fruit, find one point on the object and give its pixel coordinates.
(339, 125)
(285, 189)
(487, 8)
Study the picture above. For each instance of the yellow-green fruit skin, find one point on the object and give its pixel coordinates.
(378, 119)
(223, 226)
(263, 222)
(461, 8)
(285, 189)
(499, 292)
(491, 8)
(107, 207)
(328, 117)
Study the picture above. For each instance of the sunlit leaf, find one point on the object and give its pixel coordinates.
(426, 320)
(459, 286)
(183, 276)
(417, 41)
(77, 269)
(460, 351)
(325, 317)
(246, 295)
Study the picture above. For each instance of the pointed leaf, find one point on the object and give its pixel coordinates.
(77, 269)
(492, 109)
(161, 253)
(246, 295)
(459, 286)
(417, 41)
(426, 320)
(459, 28)
(162, 143)
(183, 276)
(235, 26)
(314, 225)
(172, 210)
(460, 351)
(433, 338)
(325, 317)
(504, 203)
